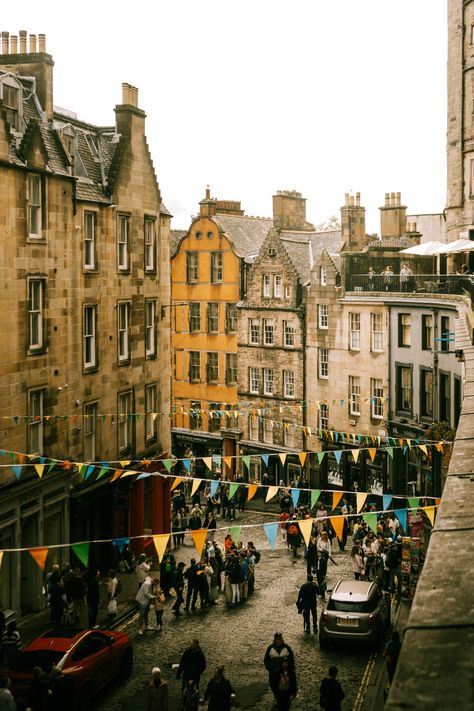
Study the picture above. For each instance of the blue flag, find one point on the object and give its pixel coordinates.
(387, 498)
(121, 543)
(265, 458)
(187, 464)
(295, 495)
(271, 531)
(402, 517)
(214, 485)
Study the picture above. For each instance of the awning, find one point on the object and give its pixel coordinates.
(427, 249)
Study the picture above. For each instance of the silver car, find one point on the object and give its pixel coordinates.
(356, 609)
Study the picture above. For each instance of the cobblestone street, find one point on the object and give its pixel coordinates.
(239, 637)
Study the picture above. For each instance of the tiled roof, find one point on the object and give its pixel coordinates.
(175, 238)
(304, 247)
(247, 234)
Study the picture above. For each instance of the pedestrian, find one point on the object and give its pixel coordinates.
(111, 585)
(2, 630)
(211, 525)
(391, 654)
(191, 698)
(311, 556)
(357, 563)
(286, 687)
(192, 664)
(330, 692)
(39, 690)
(178, 585)
(277, 652)
(144, 598)
(393, 562)
(142, 569)
(219, 692)
(7, 702)
(324, 551)
(293, 535)
(75, 589)
(93, 597)
(61, 688)
(157, 696)
(167, 566)
(371, 278)
(11, 643)
(307, 603)
(234, 573)
(192, 592)
(158, 604)
(388, 275)
(57, 598)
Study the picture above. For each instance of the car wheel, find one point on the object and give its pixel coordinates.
(84, 698)
(126, 664)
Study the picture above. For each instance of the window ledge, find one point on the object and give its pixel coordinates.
(90, 369)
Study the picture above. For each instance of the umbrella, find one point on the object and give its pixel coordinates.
(425, 248)
(462, 245)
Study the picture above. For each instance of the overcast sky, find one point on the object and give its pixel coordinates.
(320, 96)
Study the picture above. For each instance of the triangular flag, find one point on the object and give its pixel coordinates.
(272, 491)
(17, 471)
(386, 501)
(338, 455)
(439, 447)
(39, 555)
(315, 494)
(217, 459)
(295, 495)
(371, 521)
(360, 500)
(199, 538)
(208, 462)
(372, 451)
(389, 451)
(337, 522)
(52, 464)
(413, 503)
(336, 497)
(235, 533)
(228, 462)
(195, 486)
(116, 475)
(252, 490)
(437, 502)
(302, 457)
(176, 482)
(355, 454)
(401, 514)
(187, 464)
(121, 543)
(1, 558)
(39, 469)
(89, 471)
(430, 512)
(282, 456)
(305, 525)
(167, 463)
(124, 464)
(423, 448)
(82, 552)
(213, 487)
(232, 489)
(246, 461)
(271, 531)
(161, 544)
(320, 456)
(102, 472)
(265, 458)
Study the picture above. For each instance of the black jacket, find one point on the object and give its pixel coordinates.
(192, 664)
(331, 694)
(308, 595)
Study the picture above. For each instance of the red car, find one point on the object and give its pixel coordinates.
(90, 659)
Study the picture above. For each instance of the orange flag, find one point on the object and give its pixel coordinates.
(372, 453)
(228, 462)
(437, 501)
(1, 558)
(116, 475)
(272, 491)
(337, 523)
(176, 482)
(252, 490)
(39, 555)
(430, 512)
(336, 497)
(360, 501)
(302, 457)
(199, 538)
(161, 543)
(305, 525)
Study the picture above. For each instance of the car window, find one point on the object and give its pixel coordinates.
(27, 661)
(92, 644)
(342, 606)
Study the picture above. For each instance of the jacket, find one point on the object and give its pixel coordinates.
(192, 664)
(308, 595)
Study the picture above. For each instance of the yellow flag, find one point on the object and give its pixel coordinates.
(272, 491)
(176, 482)
(195, 486)
(355, 454)
(430, 512)
(199, 538)
(302, 457)
(360, 501)
(208, 462)
(1, 558)
(336, 497)
(337, 523)
(124, 464)
(423, 448)
(40, 469)
(305, 525)
(282, 456)
(252, 490)
(161, 544)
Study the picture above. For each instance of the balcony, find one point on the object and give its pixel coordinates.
(416, 284)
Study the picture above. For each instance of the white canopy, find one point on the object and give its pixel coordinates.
(461, 245)
(425, 248)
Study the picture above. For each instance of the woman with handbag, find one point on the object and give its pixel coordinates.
(111, 586)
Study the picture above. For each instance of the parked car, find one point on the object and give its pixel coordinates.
(90, 658)
(356, 609)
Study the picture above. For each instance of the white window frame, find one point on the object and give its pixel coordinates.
(323, 416)
(123, 331)
(268, 431)
(123, 236)
(268, 332)
(376, 332)
(323, 317)
(89, 227)
(354, 331)
(289, 384)
(254, 331)
(277, 286)
(124, 430)
(323, 275)
(151, 408)
(36, 289)
(150, 244)
(354, 394)
(254, 428)
(90, 431)
(267, 286)
(35, 421)
(323, 363)
(287, 292)
(192, 267)
(150, 328)
(289, 334)
(34, 206)
(268, 381)
(288, 434)
(376, 398)
(90, 336)
(254, 380)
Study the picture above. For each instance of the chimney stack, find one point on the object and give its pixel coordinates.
(14, 44)
(42, 43)
(353, 224)
(393, 217)
(22, 41)
(289, 210)
(5, 49)
(33, 44)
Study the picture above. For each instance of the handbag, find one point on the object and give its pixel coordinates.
(112, 607)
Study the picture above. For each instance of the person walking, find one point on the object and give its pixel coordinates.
(391, 654)
(144, 598)
(158, 604)
(357, 563)
(157, 695)
(277, 652)
(330, 692)
(192, 664)
(192, 592)
(111, 585)
(75, 589)
(219, 692)
(307, 603)
(7, 702)
(92, 598)
(178, 585)
(286, 687)
(57, 598)
(190, 698)
(11, 643)
(142, 569)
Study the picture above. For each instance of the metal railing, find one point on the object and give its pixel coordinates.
(417, 283)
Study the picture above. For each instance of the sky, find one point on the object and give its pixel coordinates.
(321, 96)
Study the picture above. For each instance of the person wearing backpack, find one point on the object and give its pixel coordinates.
(293, 535)
(331, 693)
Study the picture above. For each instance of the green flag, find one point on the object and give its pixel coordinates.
(413, 503)
(167, 464)
(246, 461)
(315, 494)
(371, 521)
(390, 452)
(232, 489)
(235, 533)
(320, 456)
(82, 552)
(103, 471)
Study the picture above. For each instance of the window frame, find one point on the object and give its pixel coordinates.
(231, 318)
(445, 333)
(254, 330)
(36, 399)
(323, 363)
(195, 415)
(231, 374)
(268, 378)
(124, 308)
(194, 366)
(213, 423)
(89, 338)
(149, 241)
(426, 393)
(323, 417)
(323, 317)
(267, 286)
(124, 421)
(404, 330)
(400, 370)
(151, 408)
(123, 242)
(277, 286)
(354, 331)
(254, 380)
(89, 240)
(254, 428)
(192, 267)
(35, 206)
(217, 267)
(213, 318)
(376, 334)
(267, 431)
(323, 275)
(289, 384)
(355, 395)
(90, 431)
(212, 368)
(289, 334)
(268, 332)
(427, 332)
(194, 317)
(36, 293)
(150, 329)
(13, 110)
(376, 398)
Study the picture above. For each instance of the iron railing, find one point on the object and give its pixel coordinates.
(417, 283)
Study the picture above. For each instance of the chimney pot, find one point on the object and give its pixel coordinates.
(14, 44)
(42, 43)
(32, 44)
(399, 197)
(135, 96)
(387, 199)
(22, 41)
(5, 42)
(208, 193)
(358, 199)
(125, 93)
(346, 198)
(392, 198)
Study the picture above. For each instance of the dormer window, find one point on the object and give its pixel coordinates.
(71, 144)
(10, 90)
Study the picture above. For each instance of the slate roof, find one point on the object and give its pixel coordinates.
(303, 248)
(175, 238)
(246, 233)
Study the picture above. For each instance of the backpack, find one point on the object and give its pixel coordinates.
(118, 589)
(293, 530)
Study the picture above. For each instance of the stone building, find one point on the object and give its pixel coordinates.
(85, 374)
